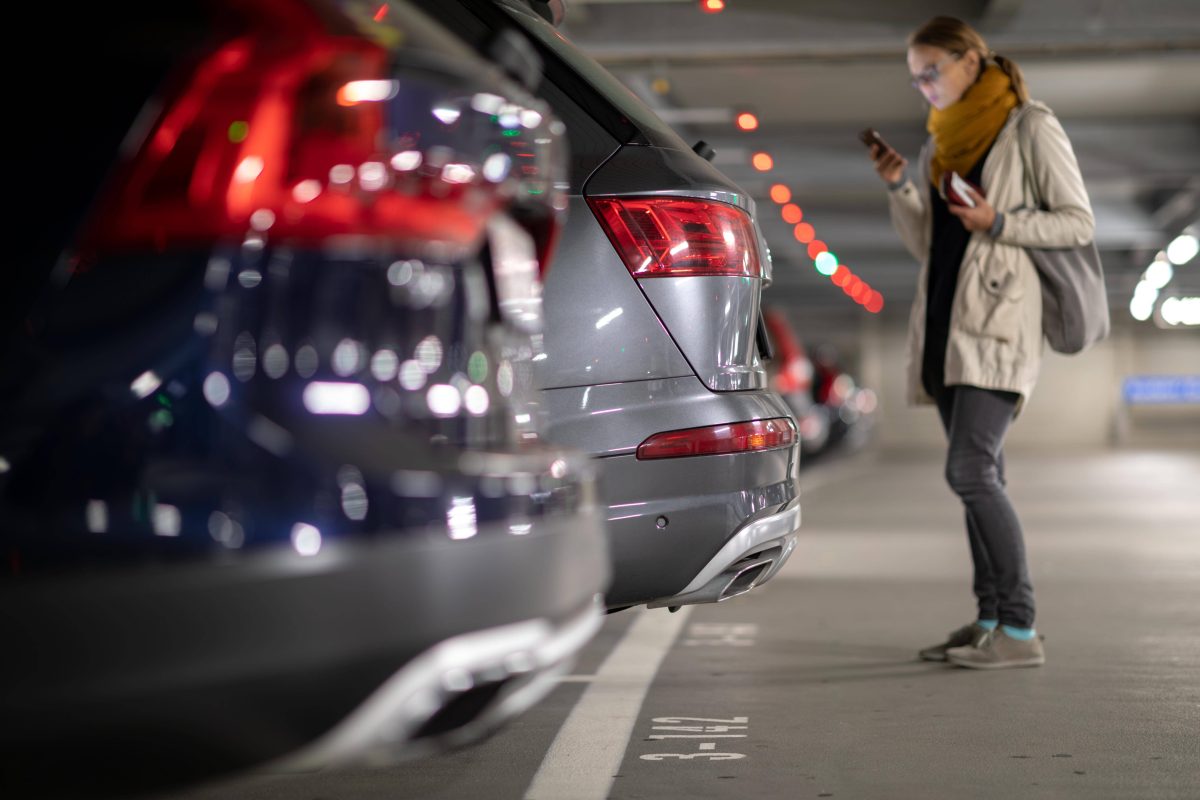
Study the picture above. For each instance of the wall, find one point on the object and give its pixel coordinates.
(1077, 403)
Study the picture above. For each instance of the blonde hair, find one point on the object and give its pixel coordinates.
(955, 36)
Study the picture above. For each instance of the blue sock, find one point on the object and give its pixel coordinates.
(987, 624)
(1020, 634)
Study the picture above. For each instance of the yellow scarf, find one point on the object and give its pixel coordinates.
(963, 132)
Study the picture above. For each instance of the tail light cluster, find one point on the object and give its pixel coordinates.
(736, 437)
(670, 237)
(306, 134)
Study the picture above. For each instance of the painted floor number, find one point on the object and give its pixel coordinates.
(702, 731)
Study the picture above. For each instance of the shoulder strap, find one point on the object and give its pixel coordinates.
(1023, 142)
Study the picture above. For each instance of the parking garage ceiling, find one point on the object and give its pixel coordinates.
(1123, 76)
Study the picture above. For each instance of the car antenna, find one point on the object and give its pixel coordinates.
(704, 150)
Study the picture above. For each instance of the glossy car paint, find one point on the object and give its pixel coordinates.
(596, 321)
(245, 484)
(615, 336)
(704, 500)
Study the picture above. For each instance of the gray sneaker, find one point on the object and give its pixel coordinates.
(999, 651)
(966, 636)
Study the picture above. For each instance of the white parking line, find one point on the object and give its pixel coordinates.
(590, 745)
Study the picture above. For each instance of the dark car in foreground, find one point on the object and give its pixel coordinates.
(654, 358)
(270, 485)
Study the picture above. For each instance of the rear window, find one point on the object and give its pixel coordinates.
(603, 82)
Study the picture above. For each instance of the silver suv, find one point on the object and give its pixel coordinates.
(654, 345)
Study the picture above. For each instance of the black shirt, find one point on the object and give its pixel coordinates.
(946, 251)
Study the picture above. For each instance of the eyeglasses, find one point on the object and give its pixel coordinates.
(930, 74)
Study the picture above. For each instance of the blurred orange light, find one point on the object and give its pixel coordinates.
(815, 248)
(860, 290)
(792, 214)
(780, 193)
(842, 276)
(804, 233)
(747, 121)
(852, 285)
(875, 304)
(712, 6)
(762, 162)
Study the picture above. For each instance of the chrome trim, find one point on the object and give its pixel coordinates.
(740, 200)
(745, 541)
(526, 657)
(710, 584)
(765, 563)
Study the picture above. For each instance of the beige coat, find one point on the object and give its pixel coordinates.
(995, 337)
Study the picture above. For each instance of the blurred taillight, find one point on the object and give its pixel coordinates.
(283, 128)
(736, 437)
(670, 237)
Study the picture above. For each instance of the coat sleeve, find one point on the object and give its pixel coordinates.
(910, 217)
(1065, 218)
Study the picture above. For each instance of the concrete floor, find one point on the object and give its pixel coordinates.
(809, 687)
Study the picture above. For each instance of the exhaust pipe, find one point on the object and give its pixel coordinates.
(737, 578)
(745, 579)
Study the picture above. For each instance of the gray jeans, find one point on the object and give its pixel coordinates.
(976, 421)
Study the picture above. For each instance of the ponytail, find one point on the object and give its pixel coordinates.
(1014, 74)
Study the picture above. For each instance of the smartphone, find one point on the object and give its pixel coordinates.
(870, 137)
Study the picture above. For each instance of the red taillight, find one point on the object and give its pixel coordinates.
(667, 237)
(736, 437)
(282, 132)
(795, 372)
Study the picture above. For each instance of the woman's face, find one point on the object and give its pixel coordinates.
(943, 77)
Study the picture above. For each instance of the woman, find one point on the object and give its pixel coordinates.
(975, 336)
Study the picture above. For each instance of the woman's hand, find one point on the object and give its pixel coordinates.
(979, 218)
(888, 163)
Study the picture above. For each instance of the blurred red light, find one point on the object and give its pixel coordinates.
(747, 121)
(762, 162)
(712, 6)
(855, 283)
(381, 13)
(842, 276)
(804, 233)
(875, 303)
(815, 248)
(780, 193)
(792, 214)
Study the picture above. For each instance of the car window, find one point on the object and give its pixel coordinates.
(594, 128)
(603, 82)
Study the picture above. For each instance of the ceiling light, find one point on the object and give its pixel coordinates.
(1183, 249)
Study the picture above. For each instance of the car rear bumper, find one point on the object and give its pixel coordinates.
(750, 558)
(205, 669)
(669, 520)
(675, 525)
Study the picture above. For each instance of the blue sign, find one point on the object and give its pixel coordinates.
(1161, 389)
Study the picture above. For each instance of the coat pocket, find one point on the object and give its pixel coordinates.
(991, 300)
